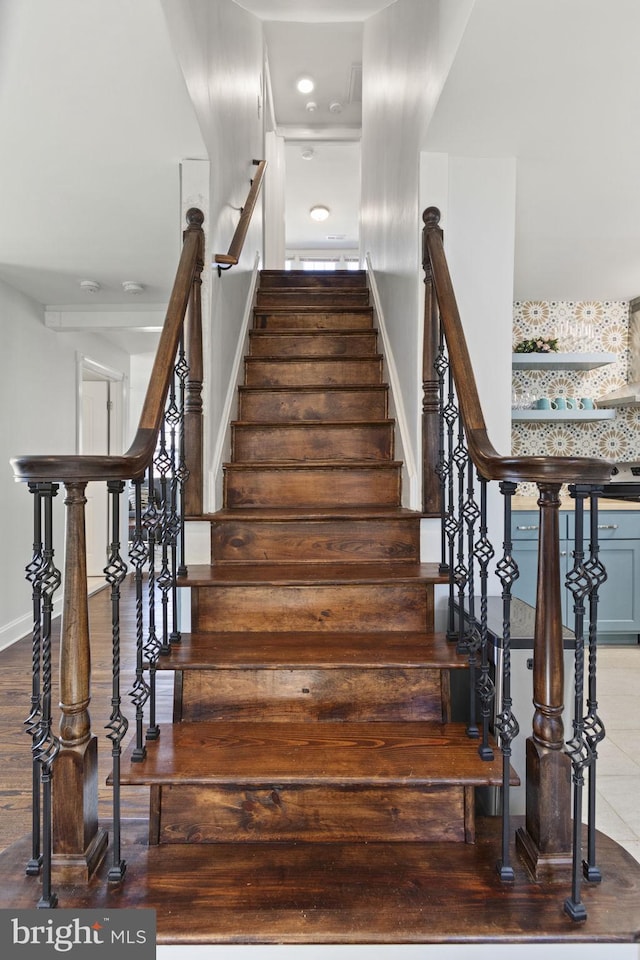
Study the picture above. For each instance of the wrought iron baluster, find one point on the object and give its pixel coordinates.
(451, 521)
(151, 519)
(461, 571)
(182, 473)
(115, 572)
(138, 556)
(174, 522)
(47, 744)
(506, 723)
(473, 638)
(484, 553)
(578, 748)
(163, 465)
(34, 573)
(593, 726)
(442, 468)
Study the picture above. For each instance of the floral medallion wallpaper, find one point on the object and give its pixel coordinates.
(579, 326)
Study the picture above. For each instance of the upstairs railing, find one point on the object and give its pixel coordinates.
(455, 439)
(227, 260)
(163, 468)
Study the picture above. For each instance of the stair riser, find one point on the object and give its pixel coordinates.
(283, 300)
(262, 372)
(336, 404)
(277, 280)
(312, 486)
(317, 319)
(315, 541)
(236, 813)
(313, 607)
(310, 694)
(304, 442)
(284, 344)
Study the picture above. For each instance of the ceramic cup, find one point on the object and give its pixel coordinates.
(560, 403)
(588, 403)
(573, 403)
(543, 403)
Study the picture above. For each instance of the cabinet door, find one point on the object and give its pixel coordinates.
(618, 601)
(525, 554)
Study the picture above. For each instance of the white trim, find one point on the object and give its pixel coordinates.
(10, 633)
(408, 453)
(224, 430)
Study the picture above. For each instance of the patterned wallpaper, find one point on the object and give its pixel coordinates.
(607, 323)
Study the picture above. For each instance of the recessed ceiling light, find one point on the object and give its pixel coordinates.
(335, 106)
(307, 153)
(89, 286)
(319, 213)
(305, 85)
(132, 287)
(312, 106)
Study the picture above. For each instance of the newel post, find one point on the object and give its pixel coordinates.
(545, 842)
(78, 842)
(431, 351)
(193, 397)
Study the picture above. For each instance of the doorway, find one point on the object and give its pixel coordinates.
(100, 432)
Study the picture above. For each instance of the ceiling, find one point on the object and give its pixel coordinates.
(94, 151)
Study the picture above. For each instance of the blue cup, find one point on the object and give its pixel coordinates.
(560, 403)
(543, 403)
(588, 403)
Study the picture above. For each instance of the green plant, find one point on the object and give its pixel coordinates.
(537, 345)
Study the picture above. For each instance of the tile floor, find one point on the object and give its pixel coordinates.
(618, 777)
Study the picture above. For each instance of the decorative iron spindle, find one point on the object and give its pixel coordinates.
(174, 522)
(442, 468)
(138, 556)
(473, 638)
(163, 464)
(451, 520)
(577, 747)
(484, 553)
(115, 572)
(34, 572)
(461, 570)
(506, 723)
(47, 744)
(593, 726)
(151, 520)
(182, 473)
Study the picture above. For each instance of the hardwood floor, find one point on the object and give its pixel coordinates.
(294, 892)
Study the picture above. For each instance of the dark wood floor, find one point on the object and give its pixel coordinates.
(287, 892)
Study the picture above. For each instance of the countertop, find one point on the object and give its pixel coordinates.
(566, 503)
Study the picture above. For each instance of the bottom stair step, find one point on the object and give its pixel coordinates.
(225, 781)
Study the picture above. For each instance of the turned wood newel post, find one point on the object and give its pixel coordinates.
(545, 843)
(193, 398)
(78, 842)
(431, 428)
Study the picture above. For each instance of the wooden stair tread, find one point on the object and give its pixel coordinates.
(312, 513)
(322, 333)
(328, 308)
(288, 651)
(236, 573)
(343, 424)
(324, 753)
(314, 388)
(309, 465)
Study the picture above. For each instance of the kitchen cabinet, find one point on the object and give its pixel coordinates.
(619, 597)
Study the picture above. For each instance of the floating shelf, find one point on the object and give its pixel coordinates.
(562, 416)
(628, 400)
(561, 361)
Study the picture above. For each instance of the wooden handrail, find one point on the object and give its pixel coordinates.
(486, 459)
(132, 464)
(230, 259)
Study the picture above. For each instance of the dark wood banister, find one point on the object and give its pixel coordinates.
(132, 464)
(78, 841)
(490, 464)
(230, 259)
(545, 841)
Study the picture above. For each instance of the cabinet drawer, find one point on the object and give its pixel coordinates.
(525, 525)
(612, 525)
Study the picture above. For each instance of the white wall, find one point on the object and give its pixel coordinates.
(220, 50)
(407, 52)
(38, 391)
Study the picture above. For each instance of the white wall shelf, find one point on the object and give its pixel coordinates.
(562, 416)
(561, 361)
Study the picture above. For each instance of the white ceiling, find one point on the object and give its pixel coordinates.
(95, 119)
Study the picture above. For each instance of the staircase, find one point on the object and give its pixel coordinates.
(313, 697)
